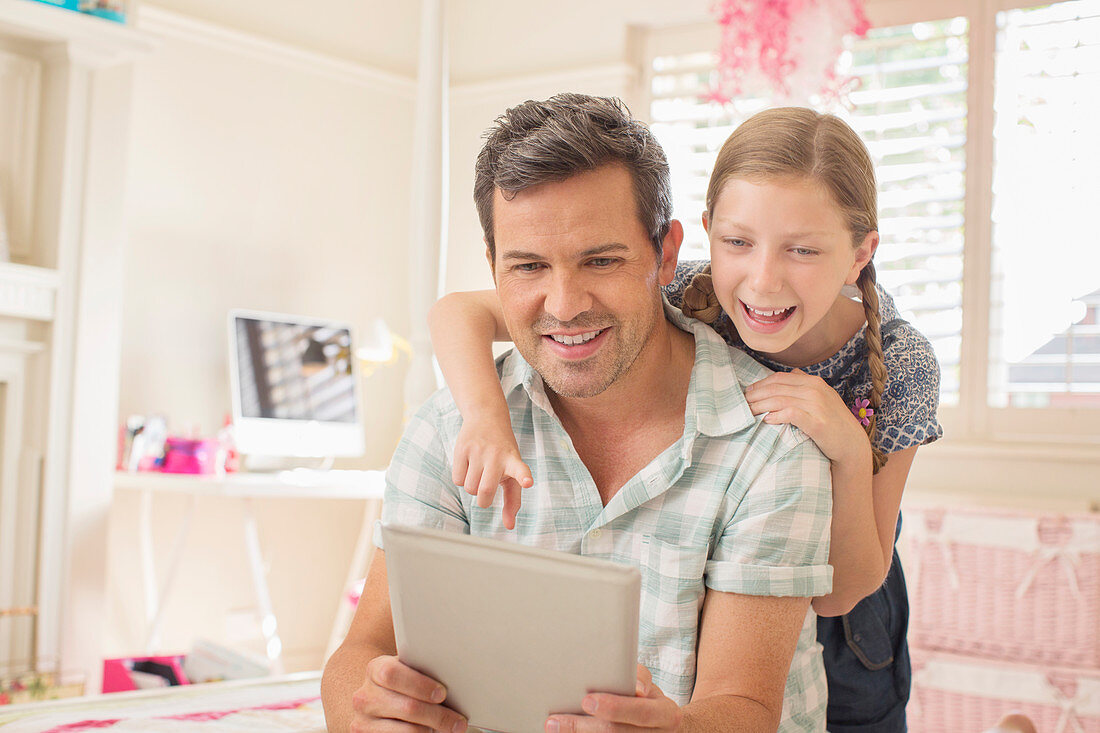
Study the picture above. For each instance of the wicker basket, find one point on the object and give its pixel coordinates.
(1005, 585)
(953, 694)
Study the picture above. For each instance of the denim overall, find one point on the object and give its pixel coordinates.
(867, 659)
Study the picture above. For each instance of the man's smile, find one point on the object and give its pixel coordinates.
(579, 338)
(579, 345)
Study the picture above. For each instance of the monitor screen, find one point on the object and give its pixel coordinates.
(294, 386)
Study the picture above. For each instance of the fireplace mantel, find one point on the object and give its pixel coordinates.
(28, 292)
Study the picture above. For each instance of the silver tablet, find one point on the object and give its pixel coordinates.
(515, 633)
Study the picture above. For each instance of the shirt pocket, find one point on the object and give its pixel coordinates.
(672, 596)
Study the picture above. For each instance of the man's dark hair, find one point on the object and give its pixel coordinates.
(538, 142)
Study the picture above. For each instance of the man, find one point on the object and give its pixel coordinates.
(643, 448)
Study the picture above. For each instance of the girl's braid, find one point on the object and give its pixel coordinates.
(699, 298)
(873, 337)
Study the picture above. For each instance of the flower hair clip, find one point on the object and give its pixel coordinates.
(863, 411)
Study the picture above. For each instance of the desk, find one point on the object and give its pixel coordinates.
(309, 484)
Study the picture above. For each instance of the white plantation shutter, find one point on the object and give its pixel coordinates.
(909, 105)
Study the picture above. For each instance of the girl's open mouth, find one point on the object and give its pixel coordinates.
(766, 320)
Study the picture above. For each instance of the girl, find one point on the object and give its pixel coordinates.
(791, 215)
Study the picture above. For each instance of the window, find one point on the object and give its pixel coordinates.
(1045, 345)
(979, 124)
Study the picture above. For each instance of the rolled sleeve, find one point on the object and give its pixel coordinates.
(912, 395)
(777, 542)
(419, 490)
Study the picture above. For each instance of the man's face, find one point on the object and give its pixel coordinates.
(578, 278)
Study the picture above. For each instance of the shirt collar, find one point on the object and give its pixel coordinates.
(716, 404)
(516, 373)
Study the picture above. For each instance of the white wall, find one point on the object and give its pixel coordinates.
(266, 178)
(254, 184)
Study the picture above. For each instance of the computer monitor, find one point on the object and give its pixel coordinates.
(294, 383)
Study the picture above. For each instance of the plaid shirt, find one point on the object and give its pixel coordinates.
(734, 505)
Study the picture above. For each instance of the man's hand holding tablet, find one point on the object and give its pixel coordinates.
(649, 710)
(396, 697)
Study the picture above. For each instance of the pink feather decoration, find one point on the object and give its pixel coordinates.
(788, 48)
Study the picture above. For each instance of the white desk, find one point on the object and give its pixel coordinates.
(308, 484)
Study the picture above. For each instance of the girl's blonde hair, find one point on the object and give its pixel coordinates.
(799, 143)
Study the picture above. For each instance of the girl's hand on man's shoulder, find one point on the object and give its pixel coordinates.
(815, 408)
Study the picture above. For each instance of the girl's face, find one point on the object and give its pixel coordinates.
(780, 253)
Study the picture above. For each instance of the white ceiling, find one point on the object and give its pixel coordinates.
(487, 38)
(371, 32)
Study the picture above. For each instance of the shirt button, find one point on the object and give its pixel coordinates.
(595, 534)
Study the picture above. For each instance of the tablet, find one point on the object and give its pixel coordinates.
(515, 633)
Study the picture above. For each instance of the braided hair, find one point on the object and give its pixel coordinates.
(872, 336)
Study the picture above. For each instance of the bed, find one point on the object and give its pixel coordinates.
(272, 705)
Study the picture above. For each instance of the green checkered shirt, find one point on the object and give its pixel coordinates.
(734, 505)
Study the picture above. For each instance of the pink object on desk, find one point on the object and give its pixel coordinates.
(116, 672)
(186, 455)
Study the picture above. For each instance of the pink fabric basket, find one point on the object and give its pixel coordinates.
(1005, 585)
(953, 694)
